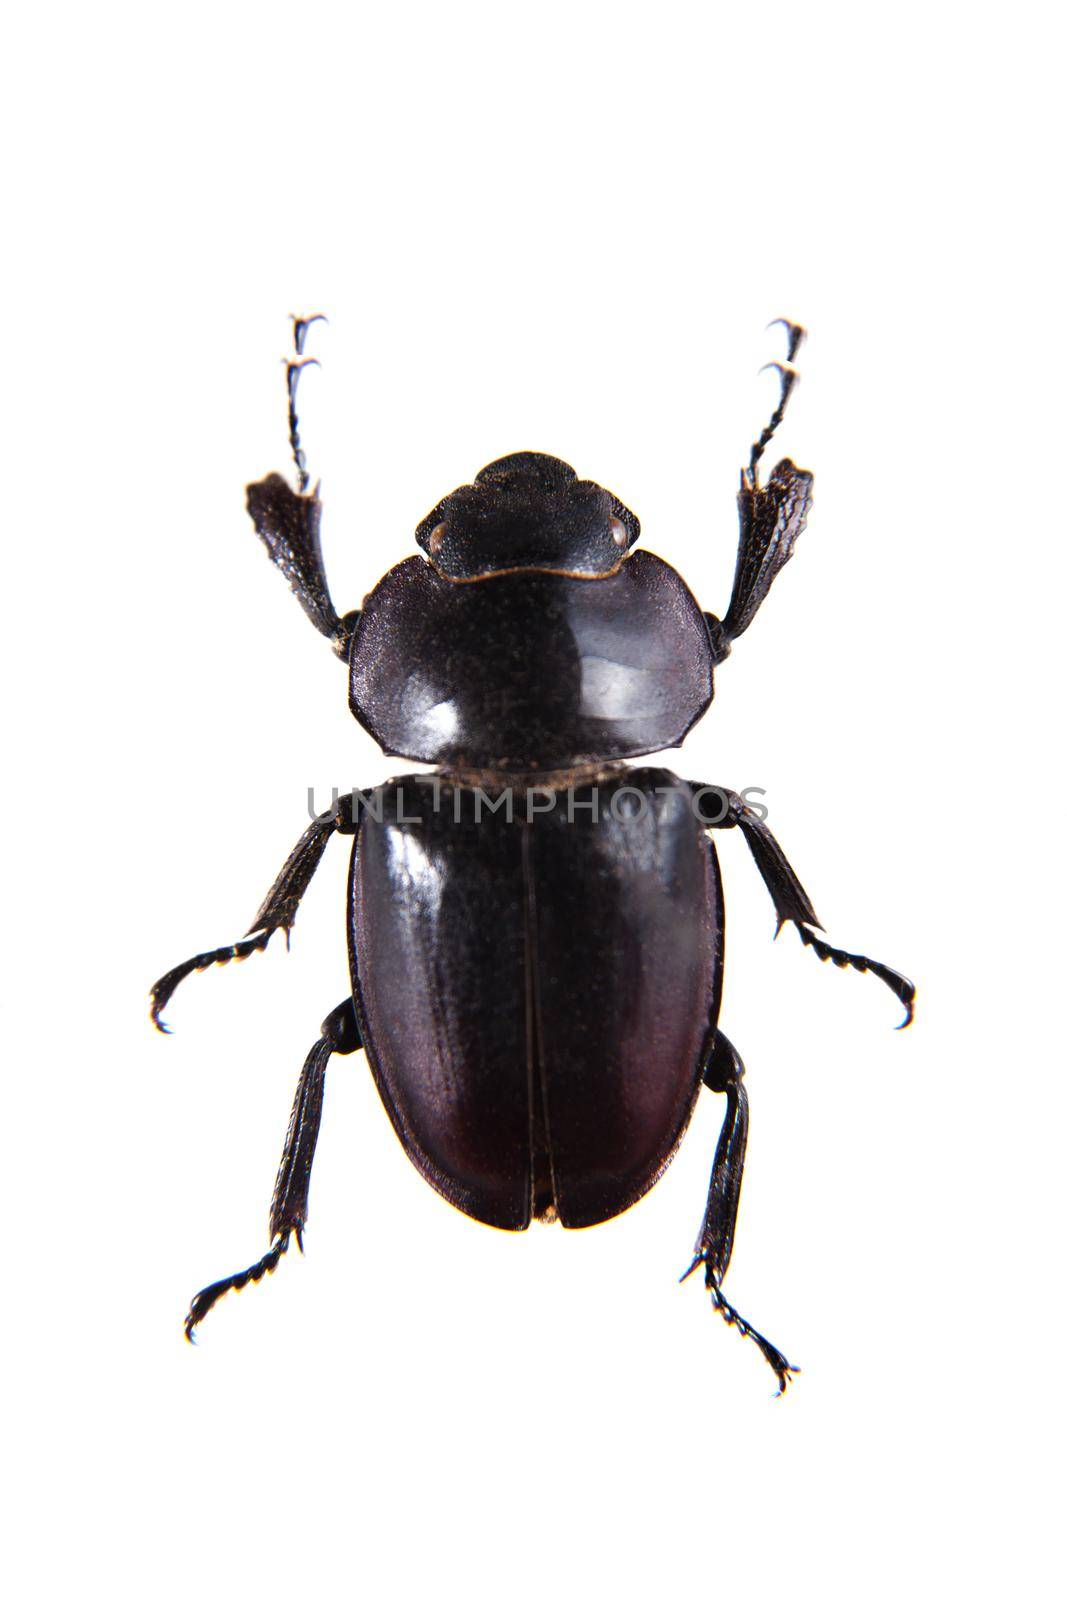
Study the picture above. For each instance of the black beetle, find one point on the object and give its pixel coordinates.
(535, 930)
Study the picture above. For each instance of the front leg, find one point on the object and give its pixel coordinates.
(722, 808)
(277, 911)
(287, 521)
(772, 518)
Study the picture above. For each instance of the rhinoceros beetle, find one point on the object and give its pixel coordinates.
(535, 929)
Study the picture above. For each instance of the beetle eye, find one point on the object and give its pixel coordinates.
(618, 533)
(437, 538)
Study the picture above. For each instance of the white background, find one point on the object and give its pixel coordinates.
(561, 228)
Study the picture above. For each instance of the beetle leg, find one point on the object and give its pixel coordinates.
(788, 377)
(902, 987)
(772, 516)
(288, 521)
(723, 1073)
(288, 1211)
(790, 900)
(277, 911)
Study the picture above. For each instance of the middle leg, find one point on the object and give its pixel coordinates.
(791, 903)
(278, 910)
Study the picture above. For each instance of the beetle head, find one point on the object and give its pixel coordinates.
(528, 511)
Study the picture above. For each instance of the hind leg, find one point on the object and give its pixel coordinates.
(723, 1074)
(288, 1210)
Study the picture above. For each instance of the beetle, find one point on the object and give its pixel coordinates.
(535, 929)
